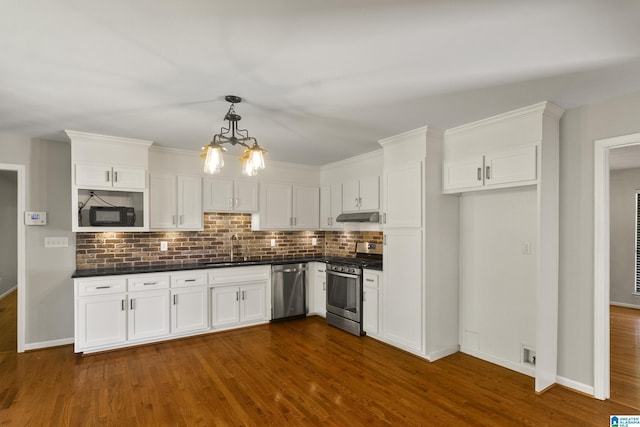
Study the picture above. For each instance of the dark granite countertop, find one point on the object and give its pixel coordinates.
(160, 268)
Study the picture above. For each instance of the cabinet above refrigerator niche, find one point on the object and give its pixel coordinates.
(109, 172)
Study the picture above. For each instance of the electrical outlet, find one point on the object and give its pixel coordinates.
(273, 242)
(528, 355)
(56, 242)
(314, 241)
(164, 246)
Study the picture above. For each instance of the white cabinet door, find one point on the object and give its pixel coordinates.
(245, 196)
(218, 195)
(163, 201)
(403, 196)
(463, 174)
(370, 310)
(306, 207)
(320, 291)
(253, 305)
(275, 206)
(101, 321)
(176, 202)
(188, 309)
(93, 176)
(403, 288)
(510, 166)
(361, 195)
(148, 314)
(370, 302)
(330, 207)
(189, 202)
(370, 193)
(225, 301)
(351, 196)
(129, 177)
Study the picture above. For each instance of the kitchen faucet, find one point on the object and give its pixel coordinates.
(233, 237)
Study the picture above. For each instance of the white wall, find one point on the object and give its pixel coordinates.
(622, 202)
(48, 284)
(8, 234)
(579, 128)
(498, 282)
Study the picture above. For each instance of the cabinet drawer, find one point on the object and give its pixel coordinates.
(181, 280)
(371, 280)
(147, 283)
(101, 286)
(222, 276)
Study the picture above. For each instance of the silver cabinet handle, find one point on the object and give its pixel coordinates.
(122, 305)
(359, 202)
(173, 219)
(236, 202)
(237, 296)
(243, 295)
(131, 303)
(295, 221)
(108, 176)
(369, 280)
(321, 271)
(189, 280)
(488, 172)
(479, 174)
(115, 176)
(324, 286)
(150, 283)
(230, 202)
(181, 219)
(103, 287)
(384, 218)
(175, 299)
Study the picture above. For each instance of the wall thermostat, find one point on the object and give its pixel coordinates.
(35, 218)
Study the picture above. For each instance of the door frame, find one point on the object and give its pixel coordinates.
(21, 273)
(601, 261)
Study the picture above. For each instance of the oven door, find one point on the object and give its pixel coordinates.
(344, 295)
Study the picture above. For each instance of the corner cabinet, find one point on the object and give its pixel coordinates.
(286, 207)
(176, 202)
(108, 171)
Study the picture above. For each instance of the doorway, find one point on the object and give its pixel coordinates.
(602, 259)
(12, 265)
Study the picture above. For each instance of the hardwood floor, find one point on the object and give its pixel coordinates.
(625, 355)
(9, 322)
(292, 373)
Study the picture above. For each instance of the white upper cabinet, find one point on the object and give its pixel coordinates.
(95, 176)
(176, 202)
(361, 195)
(108, 171)
(502, 168)
(403, 195)
(285, 206)
(330, 207)
(228, 195)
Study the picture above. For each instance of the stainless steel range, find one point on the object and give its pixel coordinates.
(344, 287)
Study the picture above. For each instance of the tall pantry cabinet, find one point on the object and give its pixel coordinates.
(419, 299)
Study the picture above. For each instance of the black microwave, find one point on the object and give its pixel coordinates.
(112, 216)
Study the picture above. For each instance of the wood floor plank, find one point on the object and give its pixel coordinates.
(296, 373)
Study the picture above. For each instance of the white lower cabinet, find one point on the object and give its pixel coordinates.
(188, 309)
(101, 321)
(238, 305)
(148, 314)
(319, 288)
(372, 281)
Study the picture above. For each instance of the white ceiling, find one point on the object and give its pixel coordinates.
(322, 80)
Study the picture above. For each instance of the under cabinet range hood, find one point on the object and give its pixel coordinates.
(359, 217)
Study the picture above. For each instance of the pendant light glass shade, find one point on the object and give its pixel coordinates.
(214, 161)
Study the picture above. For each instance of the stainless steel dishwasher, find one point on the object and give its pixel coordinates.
(288, 291)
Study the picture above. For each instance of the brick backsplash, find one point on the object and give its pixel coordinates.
(109, 250)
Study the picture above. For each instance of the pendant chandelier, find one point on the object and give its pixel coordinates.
(253, 157)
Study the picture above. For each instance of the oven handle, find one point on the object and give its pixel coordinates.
(348, 276)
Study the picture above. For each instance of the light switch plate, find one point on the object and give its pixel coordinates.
(164, 246)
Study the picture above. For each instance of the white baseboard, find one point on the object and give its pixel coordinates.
(624, 304)
(8, 292)
(514, 366)
(575, 385)
(47, 344)
(435, 355)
